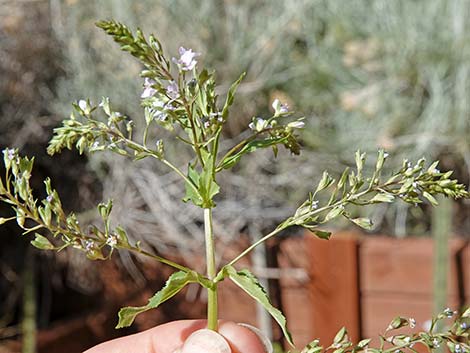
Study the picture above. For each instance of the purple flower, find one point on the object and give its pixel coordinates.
(172, 90)
(149, 91)
(88, 245)
(10, 153)
(186, 60)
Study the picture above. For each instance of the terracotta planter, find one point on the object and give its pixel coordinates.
(362, 282)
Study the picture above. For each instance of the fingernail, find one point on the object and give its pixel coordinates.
(205, 341)
(268, 346)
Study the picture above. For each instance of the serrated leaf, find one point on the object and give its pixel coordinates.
(231, 95)
(42, 242)
(192, 193)
(249, 283)
(176, 282)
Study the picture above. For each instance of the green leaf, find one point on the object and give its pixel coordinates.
(105, 209)
(380, 160)
(340, 336)
(173, 285)
(430, 198)
(42, 242)
(248, 282)
(344, 178)
(313, 347)
(360, 158)
(122, 236)
(325, 182)
(335, 212)
(364, 343)
(397, 322)
(322, 234)
(208, 188)
(192, 193)
(363, 222)
(20, 217)
(382, 198)
(231, 95)
(251, 146)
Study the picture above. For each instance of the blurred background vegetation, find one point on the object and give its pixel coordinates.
(366, 74)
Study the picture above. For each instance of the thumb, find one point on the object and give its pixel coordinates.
(205, 341)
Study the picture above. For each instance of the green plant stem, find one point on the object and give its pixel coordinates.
(138, 146)
(29, 307)
(59, 230)
(255, 244)
(294, 221)
(211, 271)
(441, 228)
(158, 258)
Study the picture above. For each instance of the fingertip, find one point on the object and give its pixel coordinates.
(205, 341)
(242, 339)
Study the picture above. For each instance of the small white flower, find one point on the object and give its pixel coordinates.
(49, 198)
(217, 116)
(172, 90)
(296, 124)
(187, 60)
(412, 322)
(279, 108)
(464, 325)
(314, 204)
(83, 105)
(386, 155)
(458, 348)
(96, 144)
(436, 343)
(111, 241)
(259, 124)
(149, 91)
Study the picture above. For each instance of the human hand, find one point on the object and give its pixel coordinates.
(189, 336)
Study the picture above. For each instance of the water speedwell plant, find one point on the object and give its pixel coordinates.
(181, 98)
